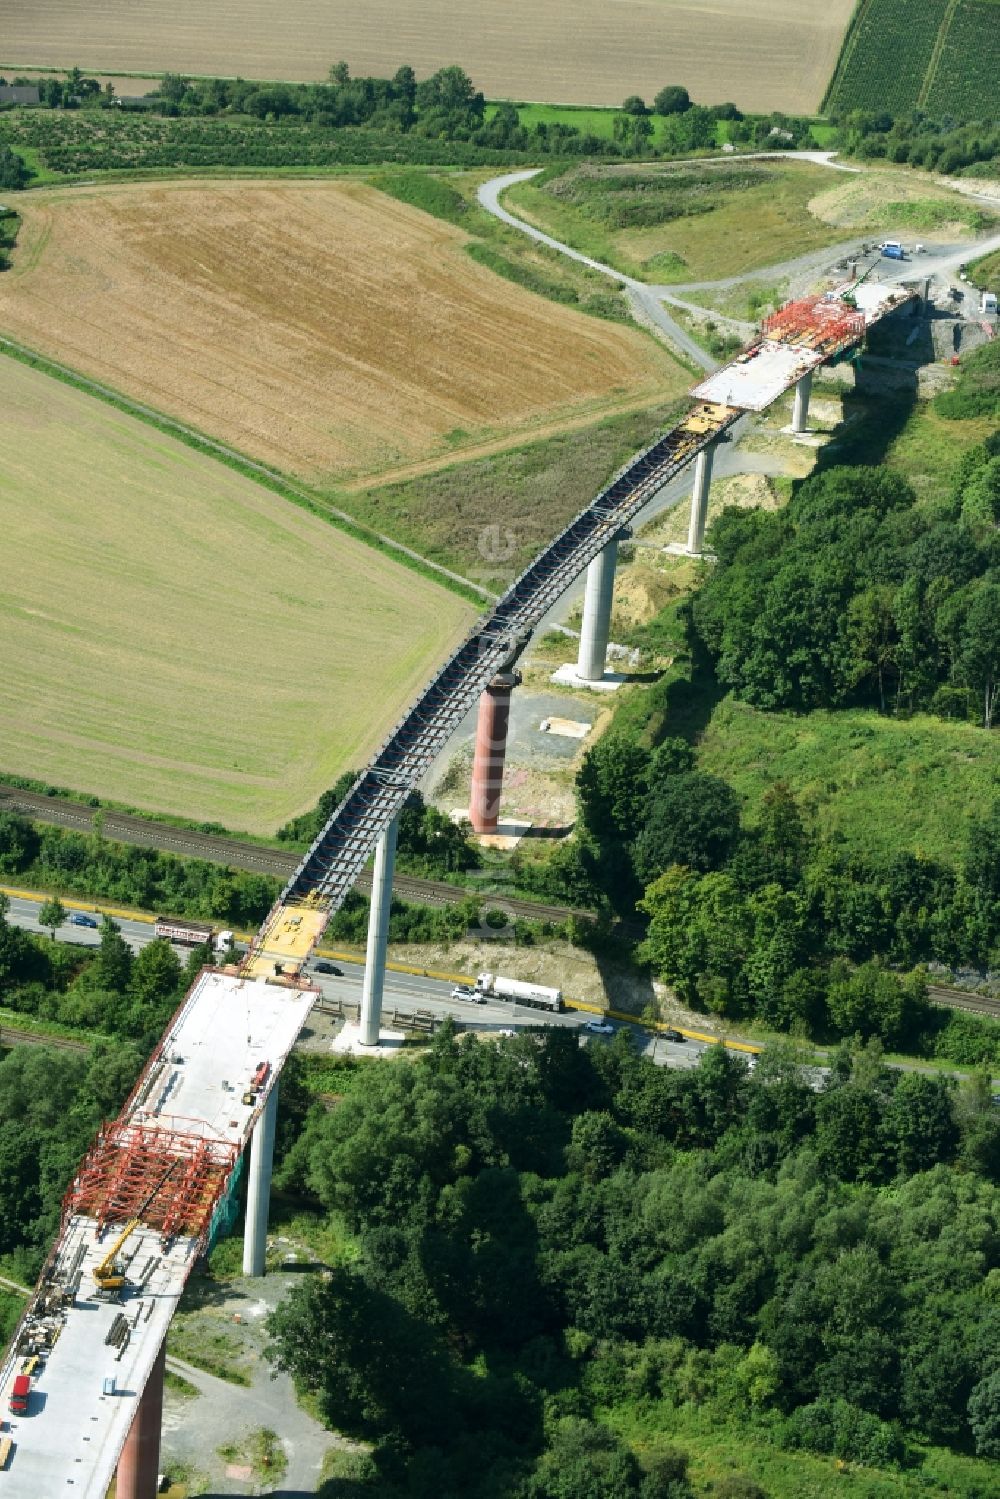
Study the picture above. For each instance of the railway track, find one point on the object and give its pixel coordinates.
(11, 1036)
(959, 999)
(258, 858)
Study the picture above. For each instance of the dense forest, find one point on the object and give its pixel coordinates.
(566, 1267)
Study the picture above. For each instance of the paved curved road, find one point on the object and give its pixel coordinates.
(645, 299)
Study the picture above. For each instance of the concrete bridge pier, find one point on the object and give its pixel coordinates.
(491, 751)
(800, 410)
(259, 1187)
(139, 1463)
(597, 603)
(378, 935)
(699, 500)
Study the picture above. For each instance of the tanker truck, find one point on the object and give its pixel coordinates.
(495, 986)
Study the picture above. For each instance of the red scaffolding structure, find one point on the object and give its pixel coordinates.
(824, 324)
(171, 1178)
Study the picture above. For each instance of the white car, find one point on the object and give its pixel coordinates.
(600, 1027)
(505, 1030)
(464, 991)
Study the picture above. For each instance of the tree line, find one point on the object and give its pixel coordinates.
(446, 106)
(557, 1254)
(856, 595)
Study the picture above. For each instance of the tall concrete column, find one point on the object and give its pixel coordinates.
(259, 1186)
(378, 934)
(800, 411)
(699, 499)
(139, 1464)
(491, 751)
(597, 602)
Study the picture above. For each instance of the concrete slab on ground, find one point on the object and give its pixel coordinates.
(565, 728)
(568, 676)
(348, 1043)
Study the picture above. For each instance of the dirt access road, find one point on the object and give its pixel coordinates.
(225, 1413)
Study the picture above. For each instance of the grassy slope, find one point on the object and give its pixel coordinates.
(985, 273)
(765, 224)
(175, 635)
(489, 517)
(718, 1449)
(885, 784)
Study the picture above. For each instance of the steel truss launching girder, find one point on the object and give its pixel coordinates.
(329, 870)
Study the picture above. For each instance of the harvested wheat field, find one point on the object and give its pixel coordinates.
(322, 327)
(762, 54)
(180, 639)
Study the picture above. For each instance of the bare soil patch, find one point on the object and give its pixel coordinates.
(322, 327)
(762, 54)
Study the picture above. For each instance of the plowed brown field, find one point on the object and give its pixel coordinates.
(763, 54)
(322, 327)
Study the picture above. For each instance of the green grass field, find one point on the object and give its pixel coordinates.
(179, 638)
(885, 784)
(766, 222)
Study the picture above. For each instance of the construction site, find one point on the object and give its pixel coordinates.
(160, 1183)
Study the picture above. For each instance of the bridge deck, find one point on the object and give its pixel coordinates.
(189, 1101)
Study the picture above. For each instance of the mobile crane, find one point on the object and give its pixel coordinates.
(110, 1273)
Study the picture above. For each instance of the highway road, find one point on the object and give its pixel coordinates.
(403, 991)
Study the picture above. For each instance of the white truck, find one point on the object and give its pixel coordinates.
(495, 986)
(192, 933)
(988, 302)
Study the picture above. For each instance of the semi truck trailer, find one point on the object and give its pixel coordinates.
(191, 933)
(495, 986)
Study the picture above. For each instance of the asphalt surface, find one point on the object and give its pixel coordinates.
(406, 992)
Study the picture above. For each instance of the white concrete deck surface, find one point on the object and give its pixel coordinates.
(754, 382)
(227, 1026)
(69, 1441)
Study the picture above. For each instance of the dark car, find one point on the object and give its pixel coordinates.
(329, 968)
(80, 918)
(674, 1036)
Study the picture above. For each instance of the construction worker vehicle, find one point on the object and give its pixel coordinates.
(260, 1076)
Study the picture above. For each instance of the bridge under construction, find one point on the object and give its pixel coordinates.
(159, 1183)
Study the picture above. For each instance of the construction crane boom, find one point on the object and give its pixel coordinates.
(110, 1276)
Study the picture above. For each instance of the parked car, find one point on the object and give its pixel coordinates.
(505, 1030)
(600, 1027)
(326, 967)
(80, 918)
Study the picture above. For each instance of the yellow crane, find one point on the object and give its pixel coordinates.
(110, 1274)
